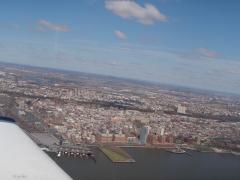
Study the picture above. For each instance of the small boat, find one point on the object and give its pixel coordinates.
(176, 151)
(217, 150)
(235, 153)
(59, 154)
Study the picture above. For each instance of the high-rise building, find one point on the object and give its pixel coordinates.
(153, 139)
(144, 134)
(104, 137)
(169, 139)
(162, 132)
(162, 139)
(119, 138)
(131, 139)
(181, 109)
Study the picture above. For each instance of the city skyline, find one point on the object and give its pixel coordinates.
(166, 41)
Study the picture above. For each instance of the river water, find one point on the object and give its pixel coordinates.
(154, 164)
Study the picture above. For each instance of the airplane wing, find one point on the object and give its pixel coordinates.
(21, 158)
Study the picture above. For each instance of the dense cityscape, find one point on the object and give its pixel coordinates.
(120, 90)
(89, 109)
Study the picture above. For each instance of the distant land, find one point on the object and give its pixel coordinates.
(82, 108)
(114, 79)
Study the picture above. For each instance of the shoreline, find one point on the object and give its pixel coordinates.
(164, 147)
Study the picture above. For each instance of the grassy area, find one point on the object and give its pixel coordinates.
(116, 154)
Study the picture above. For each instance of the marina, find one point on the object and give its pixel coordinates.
(77, 152)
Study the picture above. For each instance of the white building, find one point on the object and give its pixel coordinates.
(181, 109)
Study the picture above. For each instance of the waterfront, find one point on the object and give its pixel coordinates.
(154, 164)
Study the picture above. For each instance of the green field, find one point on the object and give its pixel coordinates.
(116, 154)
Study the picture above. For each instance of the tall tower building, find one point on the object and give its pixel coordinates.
(144, 134)
(162, 132)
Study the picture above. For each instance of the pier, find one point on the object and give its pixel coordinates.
(116, 154)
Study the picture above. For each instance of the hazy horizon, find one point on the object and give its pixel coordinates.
(176, 42)
(154, 83)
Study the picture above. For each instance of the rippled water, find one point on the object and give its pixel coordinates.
(154, 164)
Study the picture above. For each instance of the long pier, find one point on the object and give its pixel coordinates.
(116, 154)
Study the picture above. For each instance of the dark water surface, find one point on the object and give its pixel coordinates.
(154, 164)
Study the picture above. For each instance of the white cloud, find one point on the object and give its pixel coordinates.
(201, 53)
(120, 35)
(44, 25)
(147, 14)
(205, 52)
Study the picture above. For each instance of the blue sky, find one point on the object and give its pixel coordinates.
(180, 42)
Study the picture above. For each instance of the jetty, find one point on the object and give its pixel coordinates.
(116, 154)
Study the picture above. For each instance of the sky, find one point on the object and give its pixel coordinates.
(189, 43)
